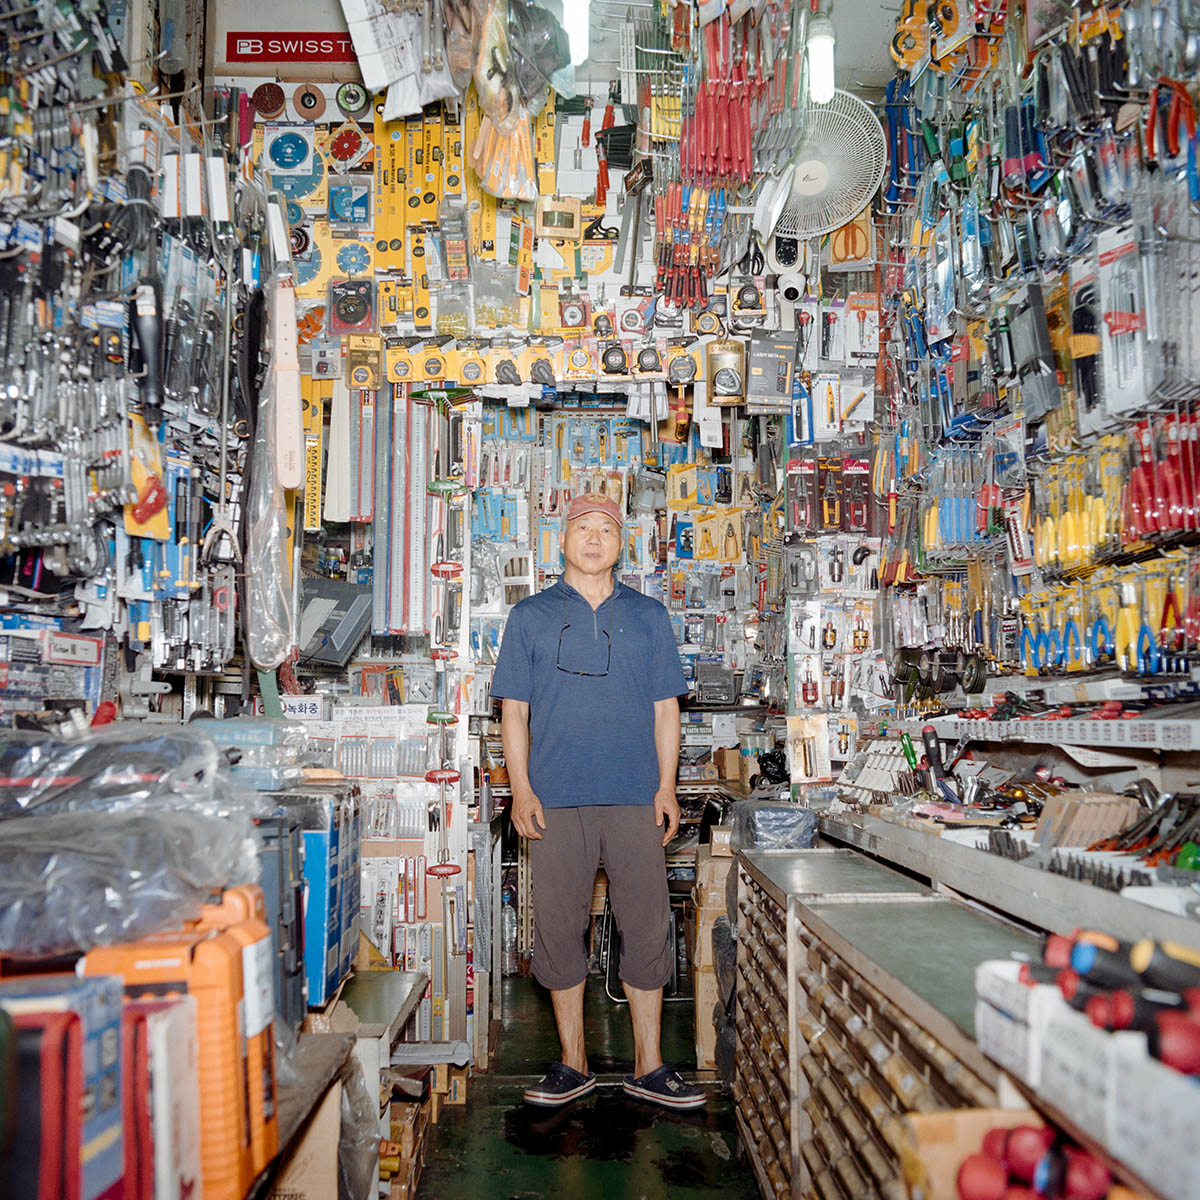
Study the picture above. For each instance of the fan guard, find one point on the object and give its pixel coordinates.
(839, 166)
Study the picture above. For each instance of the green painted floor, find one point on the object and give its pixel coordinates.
(605, 1147)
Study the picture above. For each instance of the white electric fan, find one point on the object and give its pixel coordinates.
(832, 174)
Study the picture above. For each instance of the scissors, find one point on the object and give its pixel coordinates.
(850, 243)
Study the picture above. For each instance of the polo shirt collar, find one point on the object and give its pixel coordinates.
(575, 594)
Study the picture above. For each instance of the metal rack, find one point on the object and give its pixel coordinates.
(1137, 733)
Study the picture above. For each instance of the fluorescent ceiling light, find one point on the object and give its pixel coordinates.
(577, 20)
(821, 40)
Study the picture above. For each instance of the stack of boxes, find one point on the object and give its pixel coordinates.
(330, 816)
(708, 897)
(705, 754)
(281, 853)
(402, 1157)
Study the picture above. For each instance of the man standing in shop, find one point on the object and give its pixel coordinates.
(590, 681)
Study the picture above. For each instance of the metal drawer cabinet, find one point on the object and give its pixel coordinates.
(855, 1000)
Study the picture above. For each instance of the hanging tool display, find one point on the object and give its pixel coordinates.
(131, 257)
(1038, 207)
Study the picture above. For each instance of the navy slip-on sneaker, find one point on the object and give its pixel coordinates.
(560, 1085)
(665, 1086)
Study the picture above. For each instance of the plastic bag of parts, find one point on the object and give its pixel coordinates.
(462, 24)
(127, 767)
(497, 301)
(725, 1052)
(125, 763)
(495, 80)
(503, 158)
(538, 49)
(270, 622)
(286, 1074)
(81, 879)
(773, 825)
(724, 946)
(358, 1146)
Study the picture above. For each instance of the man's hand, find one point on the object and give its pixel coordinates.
(665, 805)
(526, 809)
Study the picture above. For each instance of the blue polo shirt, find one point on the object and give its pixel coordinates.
(590, 692)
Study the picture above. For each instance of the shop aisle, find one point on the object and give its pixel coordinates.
(606, 1146)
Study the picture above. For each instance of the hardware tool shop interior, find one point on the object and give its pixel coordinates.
(599, 598)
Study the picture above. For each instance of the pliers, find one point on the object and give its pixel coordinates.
(1180, 108)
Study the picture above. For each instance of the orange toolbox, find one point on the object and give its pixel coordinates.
(207, 966)
(241, 913)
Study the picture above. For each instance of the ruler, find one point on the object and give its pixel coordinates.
(366, 465)
(416, 565)
(337, 469)
(380, 528)
(399, 515)
(311, 393)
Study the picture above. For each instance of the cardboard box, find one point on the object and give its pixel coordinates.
(409, 1121)
(1082, 818)
(457, 1091)
(311, 1170)
(721, 841)
(747, 767)
(1011, 1017)
(702, 947)
(706, 998)
(939, 1141)
(711, 871)
(1079, 1069)
(1013, 1044)
(728, 762)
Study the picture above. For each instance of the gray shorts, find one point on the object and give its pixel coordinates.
(564, 866)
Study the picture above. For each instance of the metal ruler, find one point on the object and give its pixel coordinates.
(416, 616)
(398, 510)
(381, 525)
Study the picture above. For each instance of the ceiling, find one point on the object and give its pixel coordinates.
(864, 30)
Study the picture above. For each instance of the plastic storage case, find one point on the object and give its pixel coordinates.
(281, 852)
(99, 1164)
(241, 914)
(207, 966)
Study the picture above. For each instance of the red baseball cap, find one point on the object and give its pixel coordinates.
(595, 502)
